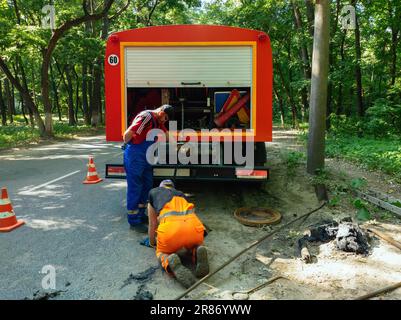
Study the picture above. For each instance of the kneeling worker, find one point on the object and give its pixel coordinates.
(174, 220)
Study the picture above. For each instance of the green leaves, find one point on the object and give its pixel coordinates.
(362, 213)
(358, 183)
(397, 204)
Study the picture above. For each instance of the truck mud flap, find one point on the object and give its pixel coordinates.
(196, 172)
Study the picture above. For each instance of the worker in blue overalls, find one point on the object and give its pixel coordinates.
(138, 170)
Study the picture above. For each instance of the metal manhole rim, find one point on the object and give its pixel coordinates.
(272, 216)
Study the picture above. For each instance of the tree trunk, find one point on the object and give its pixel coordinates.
(25, 86)
(9, 100)
(318, 100)
(340, 107)
(55, 93)
(3, 109)
(280, 105)
(105, 33)
(332, 64)
(290, 99)
(394, 41)
(70, 91)
(23, 110)
(85, 105)
(304, 58)
(100, 104)
(395, 17)
(310, 14)
(90, 92)
(97, 74)
(77, 99)
(12, 91)
(358, 72)
(25, 95)
(47, 54)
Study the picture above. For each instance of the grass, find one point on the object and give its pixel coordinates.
(382, 154)
(19, 135)
(369, 152)
(292, 159)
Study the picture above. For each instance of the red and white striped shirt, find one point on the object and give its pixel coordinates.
(143, 122)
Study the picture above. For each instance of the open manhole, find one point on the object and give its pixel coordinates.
(257, 217)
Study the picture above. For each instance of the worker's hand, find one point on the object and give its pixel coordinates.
(146, 242)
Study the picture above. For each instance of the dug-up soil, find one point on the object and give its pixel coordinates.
(333, 274)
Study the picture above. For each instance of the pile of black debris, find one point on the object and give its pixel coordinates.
(348, 236)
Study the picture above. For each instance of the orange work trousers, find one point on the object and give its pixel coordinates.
(177, 232)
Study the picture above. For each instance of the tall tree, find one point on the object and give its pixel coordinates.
(303, 53)
(47, 55)
(3, 110)
(9, 101)
(318, 99)
(395, 20)
(358, 72)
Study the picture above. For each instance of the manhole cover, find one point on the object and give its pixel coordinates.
(256, 217)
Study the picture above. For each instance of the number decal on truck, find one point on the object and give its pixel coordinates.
(113, 60)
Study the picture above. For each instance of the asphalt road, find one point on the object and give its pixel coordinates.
(80, 230)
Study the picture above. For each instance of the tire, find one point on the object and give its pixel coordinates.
(260, 154)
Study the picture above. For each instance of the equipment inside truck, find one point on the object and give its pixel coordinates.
(194, 108)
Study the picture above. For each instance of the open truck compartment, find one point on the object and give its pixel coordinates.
(215, 77)
(194, 108)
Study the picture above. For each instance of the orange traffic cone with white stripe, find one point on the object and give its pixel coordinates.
(8, 220)
(92, 177)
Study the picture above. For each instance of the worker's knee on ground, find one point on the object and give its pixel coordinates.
(162, 258)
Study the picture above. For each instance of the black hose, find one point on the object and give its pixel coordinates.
(246, 249)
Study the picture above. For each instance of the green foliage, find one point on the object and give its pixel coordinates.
(384, 154)
(362, 210)
(12, 136)
(396, 203)
(18, 134)
(334, 201)
(383, 119)
(358, 183)
(292, 160)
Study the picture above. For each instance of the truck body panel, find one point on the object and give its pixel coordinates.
(195, 56)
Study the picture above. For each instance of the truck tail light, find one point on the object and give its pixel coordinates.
(115, 171)
(251, 174)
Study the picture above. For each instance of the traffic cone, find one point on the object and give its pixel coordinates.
(8, 220)
(92, 176)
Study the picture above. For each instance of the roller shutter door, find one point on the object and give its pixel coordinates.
(213, 66)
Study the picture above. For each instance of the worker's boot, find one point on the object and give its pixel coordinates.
(202, 262)
(182, 274)
(134, 219)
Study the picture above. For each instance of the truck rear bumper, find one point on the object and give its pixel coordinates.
(197, 172)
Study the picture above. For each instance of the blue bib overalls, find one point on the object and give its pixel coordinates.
(139, 179)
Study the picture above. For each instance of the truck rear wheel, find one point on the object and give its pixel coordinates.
(260, 154)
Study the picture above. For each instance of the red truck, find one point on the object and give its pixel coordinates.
(203, 71)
